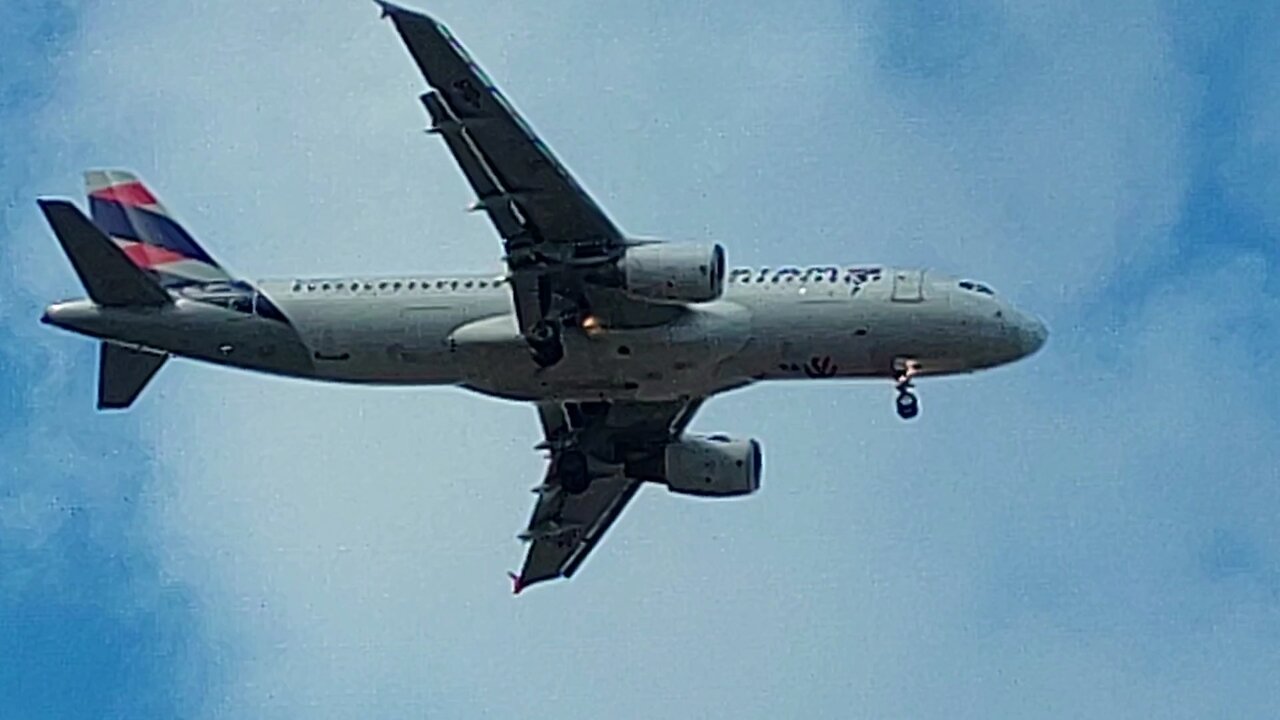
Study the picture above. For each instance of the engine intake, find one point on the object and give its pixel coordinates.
(674, 272)
(713, 466)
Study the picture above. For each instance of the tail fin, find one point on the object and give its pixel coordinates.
(108, 276)
(111, 281)
(123, 372)
(128, 212)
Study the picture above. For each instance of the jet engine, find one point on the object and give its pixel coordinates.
(713, 466)
(674, 272)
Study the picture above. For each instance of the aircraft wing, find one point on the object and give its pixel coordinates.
(553, 232)
(566, 527)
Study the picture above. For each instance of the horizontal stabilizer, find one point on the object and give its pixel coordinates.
(123, 372)
(107, 274)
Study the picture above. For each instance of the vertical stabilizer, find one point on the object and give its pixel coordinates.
(123, 372)
(140, 225)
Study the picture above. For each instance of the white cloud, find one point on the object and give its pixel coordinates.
(349, 544)
(1251, 177)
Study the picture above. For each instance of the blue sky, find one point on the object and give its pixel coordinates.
(1092, 532)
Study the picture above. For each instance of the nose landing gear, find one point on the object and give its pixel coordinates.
(907, 404)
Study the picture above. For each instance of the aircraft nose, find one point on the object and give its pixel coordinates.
(1032, 332)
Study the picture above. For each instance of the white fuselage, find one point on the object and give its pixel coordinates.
(461, 330)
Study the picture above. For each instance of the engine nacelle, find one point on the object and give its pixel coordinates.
(713, 466)
(674, 272)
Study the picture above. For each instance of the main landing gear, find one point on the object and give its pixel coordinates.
(545, 343)
(907, 404)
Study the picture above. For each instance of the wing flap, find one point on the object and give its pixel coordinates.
(499, 201)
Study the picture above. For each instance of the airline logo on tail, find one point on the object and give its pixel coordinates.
(132, 216)
(126, 211)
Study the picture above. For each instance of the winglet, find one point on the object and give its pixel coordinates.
(388, 9)
(517, 584)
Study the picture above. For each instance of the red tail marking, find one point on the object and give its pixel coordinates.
(130, 193)
(149, 256)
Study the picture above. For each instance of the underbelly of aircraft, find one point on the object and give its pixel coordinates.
(713, 348)
(649, 364)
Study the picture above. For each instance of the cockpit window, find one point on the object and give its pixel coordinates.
(977, 287)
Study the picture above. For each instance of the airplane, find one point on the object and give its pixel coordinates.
(616, 340)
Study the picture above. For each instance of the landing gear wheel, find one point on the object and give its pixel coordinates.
(908, 405)
(544, 344)
(572, 471)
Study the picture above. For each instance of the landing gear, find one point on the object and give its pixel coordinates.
(545, 344)
(907, 404)
(572, 472)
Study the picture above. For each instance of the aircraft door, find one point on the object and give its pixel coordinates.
(908, 286)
